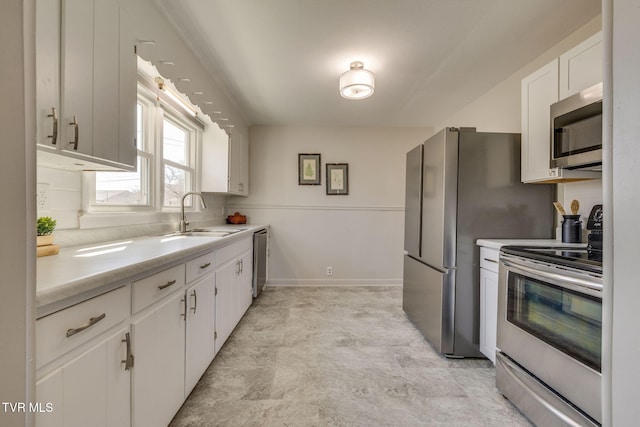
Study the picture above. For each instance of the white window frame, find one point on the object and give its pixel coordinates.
(155, 111)
(178, 120)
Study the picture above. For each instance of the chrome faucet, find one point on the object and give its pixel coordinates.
(183, 221)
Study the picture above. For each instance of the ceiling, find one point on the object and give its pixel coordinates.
(280, 60)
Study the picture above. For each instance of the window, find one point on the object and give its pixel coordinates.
(176, 161)
(128, 188)
(166, 147)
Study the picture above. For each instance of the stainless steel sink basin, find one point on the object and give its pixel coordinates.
(207, 232)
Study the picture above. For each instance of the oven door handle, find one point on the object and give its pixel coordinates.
(564, 281)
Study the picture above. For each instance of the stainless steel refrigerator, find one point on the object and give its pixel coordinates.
(462, 185)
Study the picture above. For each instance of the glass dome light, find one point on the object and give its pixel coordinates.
(357, 83)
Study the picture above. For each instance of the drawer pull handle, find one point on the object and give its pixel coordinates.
(205, 265)
(92, 321)
(74, 123)
(169, 283)
(195, 301)
(128, 362)
(54, 132)
(491, 260)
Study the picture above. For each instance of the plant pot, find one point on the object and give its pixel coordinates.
(44, 240)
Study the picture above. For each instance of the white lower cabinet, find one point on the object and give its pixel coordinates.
(131, 356)
(488, 302)
(489, 313)
(225, 308)
(80, 378)
(92, 389)
(245, 283)
(158, 375)
(200, 330)
(234, 292)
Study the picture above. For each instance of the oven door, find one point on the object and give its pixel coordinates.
(550, 323)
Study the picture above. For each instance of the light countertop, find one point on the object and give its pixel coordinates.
(82, 272)
(498, 243)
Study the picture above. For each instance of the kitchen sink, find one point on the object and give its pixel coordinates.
(207, 232)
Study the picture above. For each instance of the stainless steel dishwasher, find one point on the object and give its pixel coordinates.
(259, 261)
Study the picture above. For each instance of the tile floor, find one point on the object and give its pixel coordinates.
(340, 356)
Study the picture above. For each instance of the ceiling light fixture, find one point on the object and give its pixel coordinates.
(357, 83)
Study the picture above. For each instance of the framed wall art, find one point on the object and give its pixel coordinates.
(309, 169)
(337, 179)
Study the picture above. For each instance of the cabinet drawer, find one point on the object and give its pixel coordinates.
(200, 266)
(227, 253)
(65, 330)
(489, 259)
(153, 288)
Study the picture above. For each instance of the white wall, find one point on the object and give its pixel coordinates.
(499, 110)
(360, 235)
(623, 193)
(75, 227)
(17, 175)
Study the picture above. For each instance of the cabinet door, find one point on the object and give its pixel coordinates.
(49, 391)
(91, 390)
(77, 76)
(581, 67)
(225, 311)
(128, 91)
(488, 313)
(539, 91)
(245, 283)
(158, 375)
(225, 163)
(47, 72)
(106, 30)
(200, 347)
(239, 166)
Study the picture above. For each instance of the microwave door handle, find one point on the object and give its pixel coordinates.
(572, 283)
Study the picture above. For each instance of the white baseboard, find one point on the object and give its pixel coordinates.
(334, 282)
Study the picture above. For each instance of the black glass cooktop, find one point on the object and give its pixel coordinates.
(583, 258)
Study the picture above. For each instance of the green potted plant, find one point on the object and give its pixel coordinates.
(45, 227)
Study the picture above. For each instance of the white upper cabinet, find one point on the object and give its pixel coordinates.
(48, 73)
(225, 163)
(239, 166)
(539, 91)
(577, 69)
(77, 77)
(581, 67)
(87, 77)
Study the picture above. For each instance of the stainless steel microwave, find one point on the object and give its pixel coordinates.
(576, 130)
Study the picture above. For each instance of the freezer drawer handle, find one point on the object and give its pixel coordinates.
(92, 321)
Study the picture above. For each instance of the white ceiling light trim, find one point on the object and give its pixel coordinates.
(357, 83)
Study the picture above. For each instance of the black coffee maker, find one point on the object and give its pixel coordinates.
(594, 225)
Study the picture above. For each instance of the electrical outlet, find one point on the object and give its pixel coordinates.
(42, 196)
(329, 271)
